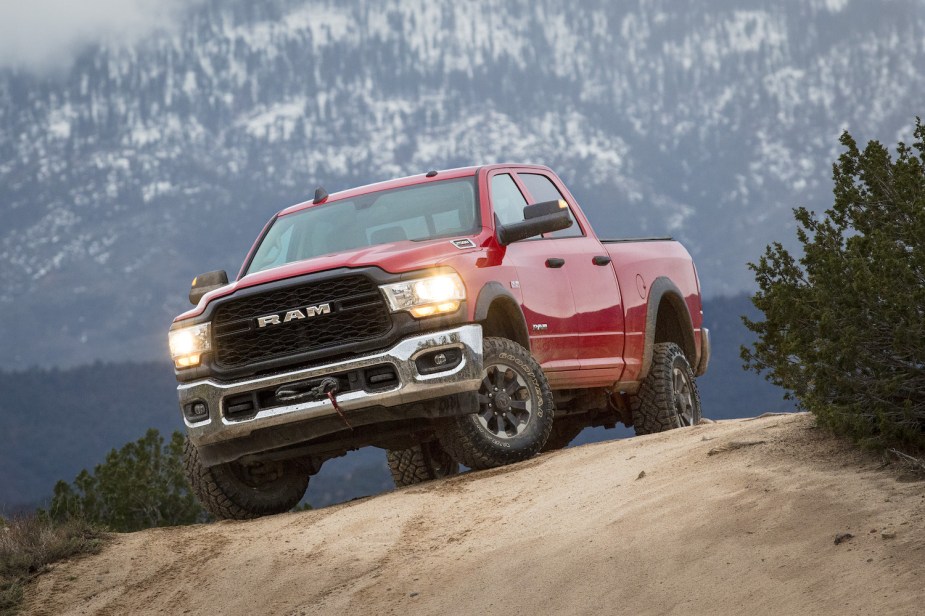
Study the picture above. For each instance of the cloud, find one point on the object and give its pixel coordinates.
(45, 35)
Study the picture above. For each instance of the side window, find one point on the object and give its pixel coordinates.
(506, 198)
(542, 189)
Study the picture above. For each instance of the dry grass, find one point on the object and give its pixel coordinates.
(904, 460)
(29, 544)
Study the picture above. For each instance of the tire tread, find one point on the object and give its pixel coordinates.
(225, 499)
(652, 406)
(411, 466)
(461, 439)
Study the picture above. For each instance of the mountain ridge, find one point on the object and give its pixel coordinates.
(143, 165)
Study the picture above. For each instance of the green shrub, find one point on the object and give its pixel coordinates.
(139, 486)
(844, 327)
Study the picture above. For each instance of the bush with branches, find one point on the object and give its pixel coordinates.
(844, 326)
(141, 485)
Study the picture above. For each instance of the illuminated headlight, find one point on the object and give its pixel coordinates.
(425, 297)
(188, 344)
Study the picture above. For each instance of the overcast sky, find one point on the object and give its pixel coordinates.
(43, 35)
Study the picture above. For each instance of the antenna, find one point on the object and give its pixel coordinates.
(320, 195)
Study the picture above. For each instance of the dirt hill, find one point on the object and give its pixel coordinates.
(727, 518)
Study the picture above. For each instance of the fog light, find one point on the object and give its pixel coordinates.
(438, 361)
(196, 410)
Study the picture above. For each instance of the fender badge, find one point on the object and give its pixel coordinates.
(463, 243)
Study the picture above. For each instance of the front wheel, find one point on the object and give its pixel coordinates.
(668, 397)
(420, 463)
(234, 491)
(515, 413)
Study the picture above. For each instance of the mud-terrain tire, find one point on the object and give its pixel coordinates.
(232, 492)
(515, 413)
(668, 397)
(564, 431)
(424, 462)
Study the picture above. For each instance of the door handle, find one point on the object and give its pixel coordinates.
(600, 260)
(554, 262)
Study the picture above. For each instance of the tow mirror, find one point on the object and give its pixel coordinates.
(539, 218)
(545, 208)
(203, 283)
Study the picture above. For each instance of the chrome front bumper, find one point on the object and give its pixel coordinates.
(412, 387)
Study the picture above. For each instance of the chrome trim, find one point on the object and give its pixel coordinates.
(705, 349)
(412, 386)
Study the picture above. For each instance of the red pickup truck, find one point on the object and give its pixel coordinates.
(468, 316)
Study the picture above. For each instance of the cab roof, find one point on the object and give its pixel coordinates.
(421, 178)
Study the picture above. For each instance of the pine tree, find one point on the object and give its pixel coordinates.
(844, 327)
(139, 486)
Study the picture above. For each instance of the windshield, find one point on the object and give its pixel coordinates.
(422, 212)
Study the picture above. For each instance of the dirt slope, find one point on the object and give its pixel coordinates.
(581, 531)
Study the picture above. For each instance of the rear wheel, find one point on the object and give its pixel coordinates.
(234, 491)
(420, 463)
(668, 397)
(515, 411)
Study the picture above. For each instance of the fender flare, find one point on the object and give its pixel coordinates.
(493, 291)
(663, 288)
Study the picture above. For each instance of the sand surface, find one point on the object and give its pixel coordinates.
(649, 525)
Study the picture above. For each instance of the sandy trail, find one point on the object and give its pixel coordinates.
(747, 530)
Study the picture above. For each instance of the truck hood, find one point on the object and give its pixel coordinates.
(395, 258)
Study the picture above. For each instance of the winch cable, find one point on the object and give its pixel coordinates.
(329, 386)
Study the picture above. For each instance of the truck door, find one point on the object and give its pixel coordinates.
(548, 304)
(598, 306)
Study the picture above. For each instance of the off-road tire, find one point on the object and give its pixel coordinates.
(564, 431)
(424, 462)
(660, 404)
(226, 494)
(471, 440)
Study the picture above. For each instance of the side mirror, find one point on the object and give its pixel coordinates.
(545, 208)
(539, 218)
(203, 283)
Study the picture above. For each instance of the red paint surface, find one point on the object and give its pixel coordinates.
(595, 319)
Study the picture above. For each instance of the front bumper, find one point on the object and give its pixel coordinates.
(216, 429)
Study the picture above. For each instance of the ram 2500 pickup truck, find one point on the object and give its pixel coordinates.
(468, 316)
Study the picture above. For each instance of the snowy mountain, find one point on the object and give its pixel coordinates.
(141, 166)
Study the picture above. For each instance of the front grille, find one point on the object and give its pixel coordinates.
(358, 312)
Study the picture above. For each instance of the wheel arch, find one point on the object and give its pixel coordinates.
(667, 320)
(500, 315)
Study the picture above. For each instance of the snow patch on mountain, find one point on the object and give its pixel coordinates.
(153, 159)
